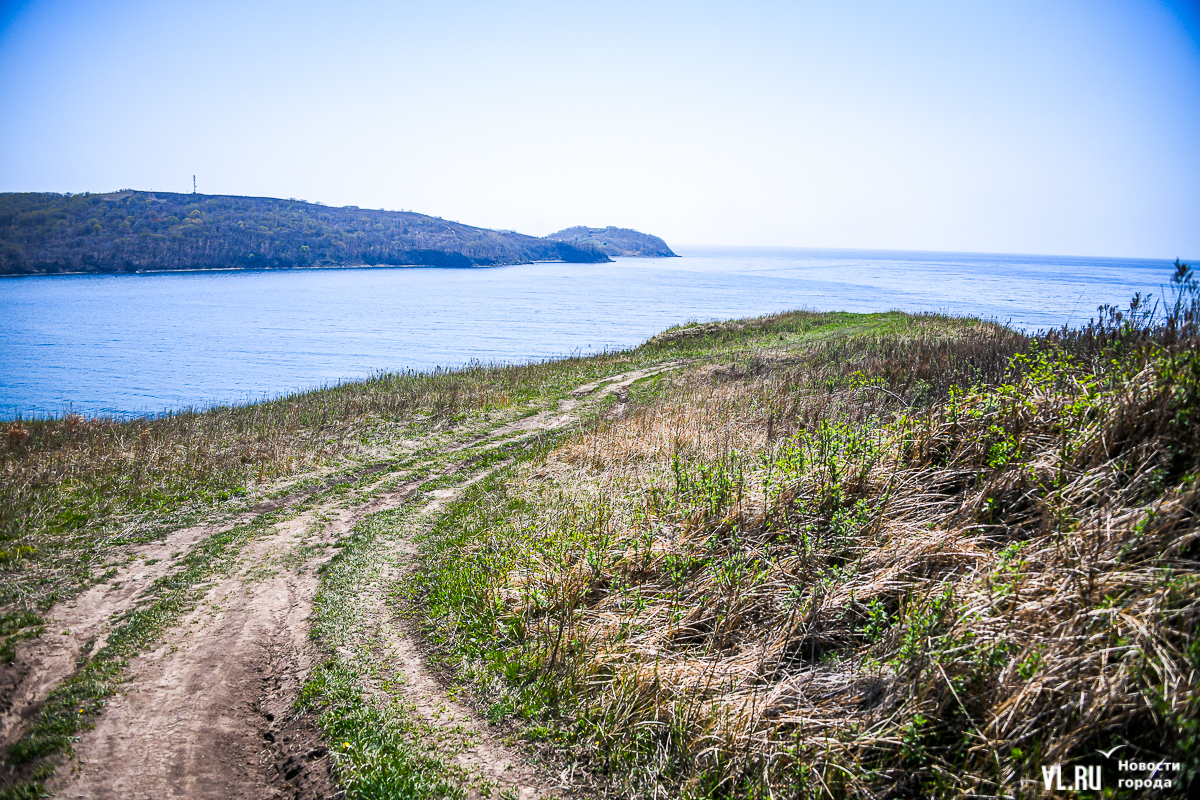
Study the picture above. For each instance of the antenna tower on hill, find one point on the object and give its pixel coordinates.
(193, 184)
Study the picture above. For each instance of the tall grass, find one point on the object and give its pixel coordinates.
(72, 488)
(929, 562)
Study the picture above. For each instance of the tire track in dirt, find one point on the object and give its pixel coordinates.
(191, 724)
(563, 414)
(507, 769)
(40, 664)
(184, 725)
(205, 714)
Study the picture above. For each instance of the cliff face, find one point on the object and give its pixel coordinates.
(616, 241)
(130, 231)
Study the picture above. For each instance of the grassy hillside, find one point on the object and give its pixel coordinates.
(824, 555)
(903, 557)
(129, 231)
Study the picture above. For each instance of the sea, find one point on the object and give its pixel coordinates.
(146, 344)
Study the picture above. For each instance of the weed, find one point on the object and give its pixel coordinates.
(880, 559)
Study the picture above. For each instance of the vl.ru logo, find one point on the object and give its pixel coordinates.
(1145, 775)
(1085, 779)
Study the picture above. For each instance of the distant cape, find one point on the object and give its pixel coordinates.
(616, 241)
(134, 231)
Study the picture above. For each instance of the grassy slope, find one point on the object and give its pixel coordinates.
(840, 554)
(904, 556)
(78, 493)
(75, 492)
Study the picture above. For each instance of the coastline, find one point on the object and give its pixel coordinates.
(201, 337)
(692, 498)
(290, 269)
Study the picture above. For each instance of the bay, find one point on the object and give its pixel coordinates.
(144, 344)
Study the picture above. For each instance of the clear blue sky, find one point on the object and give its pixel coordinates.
(1038, 127)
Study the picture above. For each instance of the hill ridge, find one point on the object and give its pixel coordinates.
(616, 241)
(133, 231)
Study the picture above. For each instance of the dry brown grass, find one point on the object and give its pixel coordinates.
(73, 489)
(882, 567)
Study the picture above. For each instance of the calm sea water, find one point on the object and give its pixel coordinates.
(135, 344)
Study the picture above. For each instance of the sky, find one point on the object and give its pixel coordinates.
(1051, 126)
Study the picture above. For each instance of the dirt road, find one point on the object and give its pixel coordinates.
(209, 711)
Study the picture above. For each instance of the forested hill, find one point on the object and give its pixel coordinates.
(129, 231)
(615, 241)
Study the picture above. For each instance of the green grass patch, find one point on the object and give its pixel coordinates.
(380, 748)
(900, 556)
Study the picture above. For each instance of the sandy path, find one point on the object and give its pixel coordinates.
(42, 663)
(193, 720)
(188, 725)
(564, 413)
(206, 714)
